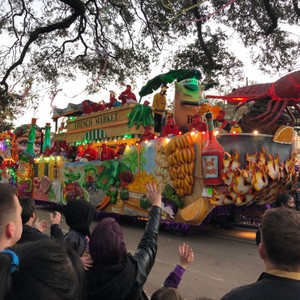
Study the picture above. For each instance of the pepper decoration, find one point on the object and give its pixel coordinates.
(114, 197)
(144, 202)
(124, 194)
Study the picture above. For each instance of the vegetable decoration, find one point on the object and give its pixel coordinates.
(144, 202)
(170, 194)
(141, 114)
(114, 197)
(104, 203)
(112, 175)
(124, 194)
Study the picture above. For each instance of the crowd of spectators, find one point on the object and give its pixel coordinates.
(34, 265)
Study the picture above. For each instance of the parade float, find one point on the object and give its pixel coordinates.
(107, 155)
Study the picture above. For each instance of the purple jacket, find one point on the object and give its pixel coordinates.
(174, 277)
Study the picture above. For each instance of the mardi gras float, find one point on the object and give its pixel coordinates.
(205, 165)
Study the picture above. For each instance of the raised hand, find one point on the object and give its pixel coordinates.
(186, 255)
(55, 219)
(153, 194)
(40, 225)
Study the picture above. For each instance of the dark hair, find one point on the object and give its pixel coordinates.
(282, 199)
(107, 245)
(7, 203)
(280, 229)
(47, 270)
(28, 208)
(165, 293)
(79, 215)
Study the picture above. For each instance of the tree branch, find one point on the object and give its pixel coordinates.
(78, 10)
(296, 7)
(203, 45)
(273, 17)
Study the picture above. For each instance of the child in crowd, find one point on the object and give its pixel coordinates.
(79, 215)
(165, 293)
(33, 227)
(168, 291)
(186, 256)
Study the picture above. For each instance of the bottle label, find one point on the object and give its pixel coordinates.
(210, 164)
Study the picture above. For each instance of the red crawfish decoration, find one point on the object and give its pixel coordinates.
(280, 95)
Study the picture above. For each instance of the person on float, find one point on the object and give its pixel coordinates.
(107, 153)
(112, 100)
(90, 153)
(159, 106)
(79, 153)
(198, 124)
(221, 123)
(127, 96)
(170, 128)
(147, 135)
(235, 127)
(99, 106)
(120, 150)
(87, 106)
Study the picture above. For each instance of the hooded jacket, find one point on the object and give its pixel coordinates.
(79, 215)
(126, 281)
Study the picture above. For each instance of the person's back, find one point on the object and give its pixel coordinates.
(280, 250)
(43, 270)
(117, 275)
(10, 216)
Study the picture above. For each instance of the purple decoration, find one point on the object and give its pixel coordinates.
(52, 205)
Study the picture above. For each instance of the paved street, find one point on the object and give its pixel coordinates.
(224, 258)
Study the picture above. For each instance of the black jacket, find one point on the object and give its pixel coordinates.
(267, 287)
(76, 241)
(31, 234)
(126, 281)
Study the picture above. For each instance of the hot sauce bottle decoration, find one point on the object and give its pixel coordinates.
(212, 156)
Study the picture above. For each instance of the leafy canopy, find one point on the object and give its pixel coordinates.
(45, 42)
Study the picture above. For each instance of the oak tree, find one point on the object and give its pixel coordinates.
(44, 42)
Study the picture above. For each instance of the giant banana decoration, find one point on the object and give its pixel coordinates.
(180, 156)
